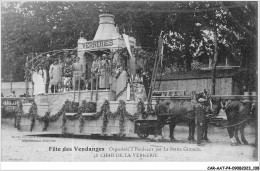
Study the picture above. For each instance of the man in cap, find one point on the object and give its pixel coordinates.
(200, 119)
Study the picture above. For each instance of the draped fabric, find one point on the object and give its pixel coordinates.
(121, 85)
(132, 66)
(104, 75)
(39, 79)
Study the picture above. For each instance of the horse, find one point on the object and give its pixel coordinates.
(238, 116)
(184, 111)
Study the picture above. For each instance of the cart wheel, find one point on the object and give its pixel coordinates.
(60, 87)
(142, 135)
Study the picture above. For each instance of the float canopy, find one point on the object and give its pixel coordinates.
(107, 37)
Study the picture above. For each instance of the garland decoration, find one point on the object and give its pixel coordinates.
(86, 107)
(63, 125)
(46, 120)
(105, 110)
(69, 107)
(19, 115)
(32, 114)
(121, 92)
(122, 112)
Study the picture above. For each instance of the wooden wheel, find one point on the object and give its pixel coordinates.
(142, 135)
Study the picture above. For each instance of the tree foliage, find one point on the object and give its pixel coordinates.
(35, 27)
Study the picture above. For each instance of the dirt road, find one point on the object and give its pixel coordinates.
(16, 146)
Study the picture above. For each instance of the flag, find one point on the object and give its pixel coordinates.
(126, 39)
(160, 47)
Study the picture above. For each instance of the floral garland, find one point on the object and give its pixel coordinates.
(69, 107)
(63, 125)
(33, 114)
(105, 110)
(121, 110)
(19, 115)
(91, 107)
(33, 111)
(85, 107)
(45, 120)
(121, 92)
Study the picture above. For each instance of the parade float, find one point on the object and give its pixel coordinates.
(113, 99)
(116, 105)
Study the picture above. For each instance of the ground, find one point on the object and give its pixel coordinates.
(16, 146)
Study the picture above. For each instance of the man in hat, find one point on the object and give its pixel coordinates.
(55, 75)
(95, 70)
(199, 100)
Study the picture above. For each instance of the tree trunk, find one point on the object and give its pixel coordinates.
(214, 62)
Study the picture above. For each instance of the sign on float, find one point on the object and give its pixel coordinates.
(98, 44)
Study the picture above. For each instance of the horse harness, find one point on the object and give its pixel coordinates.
(244, 120)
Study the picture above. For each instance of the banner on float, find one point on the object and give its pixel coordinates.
(126, 39)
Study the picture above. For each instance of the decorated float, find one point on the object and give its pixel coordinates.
(100, 90)
(104, 95)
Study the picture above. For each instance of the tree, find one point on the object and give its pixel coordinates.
(30, 27)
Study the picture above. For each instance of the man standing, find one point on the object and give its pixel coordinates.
(77, 70)
(200, 119)
(55, 75)
(104, 73)
(94, 70)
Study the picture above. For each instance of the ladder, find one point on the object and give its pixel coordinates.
(154, 76)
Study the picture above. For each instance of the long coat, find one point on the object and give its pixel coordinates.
(55, 74)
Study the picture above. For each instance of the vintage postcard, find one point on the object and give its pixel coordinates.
(134, 81)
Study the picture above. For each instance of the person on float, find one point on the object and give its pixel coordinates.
(77, 67)
(102, 71)
(12, 94)
(40, 80)
(94, 71)
(121, 87)
(139, 89)
(115, 72)
(55, 75)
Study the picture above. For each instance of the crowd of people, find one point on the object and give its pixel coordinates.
(107, 73)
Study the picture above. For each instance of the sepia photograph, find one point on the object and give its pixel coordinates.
(130, 82)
